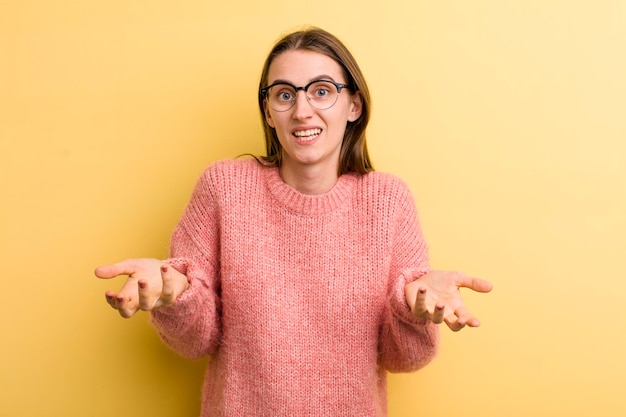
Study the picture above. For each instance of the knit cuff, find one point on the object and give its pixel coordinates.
(186, 300)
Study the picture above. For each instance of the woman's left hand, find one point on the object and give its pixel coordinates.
(435, 296)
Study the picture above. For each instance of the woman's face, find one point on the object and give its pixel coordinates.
(310, 137)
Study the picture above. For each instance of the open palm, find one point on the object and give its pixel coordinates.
(435, 296)
(151, 283)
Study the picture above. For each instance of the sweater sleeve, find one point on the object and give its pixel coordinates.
(406, 342)
(191, 326)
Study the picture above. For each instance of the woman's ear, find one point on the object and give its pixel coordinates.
(268, 116)
(356, 107)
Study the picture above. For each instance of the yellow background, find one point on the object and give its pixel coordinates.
(506, 118)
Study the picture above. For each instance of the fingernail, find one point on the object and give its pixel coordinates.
(142, 285)
(164, 268)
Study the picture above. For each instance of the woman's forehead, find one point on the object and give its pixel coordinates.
(301, 66)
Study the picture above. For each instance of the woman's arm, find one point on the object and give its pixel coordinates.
(407, 342)
(192, 325)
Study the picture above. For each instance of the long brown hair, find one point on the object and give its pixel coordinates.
(354, 156)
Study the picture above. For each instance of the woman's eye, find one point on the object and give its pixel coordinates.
(285, 96)
(321, 92)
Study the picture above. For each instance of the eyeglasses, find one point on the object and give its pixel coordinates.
(322, 94)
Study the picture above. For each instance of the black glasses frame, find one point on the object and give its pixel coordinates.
(338, 86)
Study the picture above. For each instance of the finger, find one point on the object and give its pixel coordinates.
(475, 284)
(466, 317)
(437, 316)
(453, 322)
(146, 302)
(127, 299)
(110, 298)
(167, 293)
(420, 303)
(473, 321)
(126, 267)
(126, 306)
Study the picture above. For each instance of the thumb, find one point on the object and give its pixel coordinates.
(126, 267)
(475, 284)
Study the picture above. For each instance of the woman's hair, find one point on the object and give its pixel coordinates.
(354, 156)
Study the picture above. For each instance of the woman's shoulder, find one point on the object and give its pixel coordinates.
(383, 189)
(232, 168)
(383, 181)
(233, 165)
(384, 192)
(235, 175)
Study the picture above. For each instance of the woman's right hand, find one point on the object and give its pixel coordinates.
(151, 283)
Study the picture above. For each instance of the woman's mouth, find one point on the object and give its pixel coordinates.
(307, 135)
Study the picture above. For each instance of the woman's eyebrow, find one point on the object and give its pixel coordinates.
(316, 78)
(322, 77)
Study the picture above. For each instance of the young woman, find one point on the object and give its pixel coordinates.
(303, 273)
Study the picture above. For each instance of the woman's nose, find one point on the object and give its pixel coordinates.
(302, 108)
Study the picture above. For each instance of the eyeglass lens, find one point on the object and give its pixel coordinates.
(321, 94)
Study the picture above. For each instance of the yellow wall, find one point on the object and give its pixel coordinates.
(506, 118)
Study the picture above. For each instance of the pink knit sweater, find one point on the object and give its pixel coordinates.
(299, 299)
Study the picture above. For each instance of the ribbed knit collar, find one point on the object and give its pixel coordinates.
(306, 204)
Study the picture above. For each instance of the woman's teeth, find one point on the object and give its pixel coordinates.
(307, 134)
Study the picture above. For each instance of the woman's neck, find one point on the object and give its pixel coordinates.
(309, 179)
